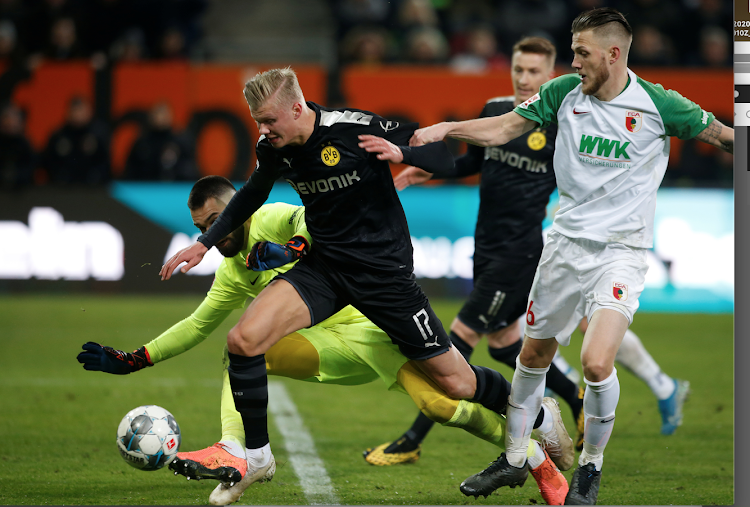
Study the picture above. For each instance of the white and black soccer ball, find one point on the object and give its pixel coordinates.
(148, 437)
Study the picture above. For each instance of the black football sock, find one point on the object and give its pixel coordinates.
(539, 418)
(492, 389)
(247, 376)
(413, 437)
(507, 355)
(565, 389)
(464, 348)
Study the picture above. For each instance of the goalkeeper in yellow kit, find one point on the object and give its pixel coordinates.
(344, 349)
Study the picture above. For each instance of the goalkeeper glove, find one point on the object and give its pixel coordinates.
(268, 255)
(97, 358)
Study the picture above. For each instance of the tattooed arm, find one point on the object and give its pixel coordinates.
(718, 135)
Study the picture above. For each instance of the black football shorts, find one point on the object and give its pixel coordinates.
(500, 293)
(393, 302)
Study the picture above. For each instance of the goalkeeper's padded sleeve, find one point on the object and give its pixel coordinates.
(269, 255)
(432, 157)
(97, 358)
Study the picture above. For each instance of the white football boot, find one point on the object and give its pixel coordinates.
(227, 493)
(557, 442)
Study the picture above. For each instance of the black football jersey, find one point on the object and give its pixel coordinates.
(352, 209)
(517, 180)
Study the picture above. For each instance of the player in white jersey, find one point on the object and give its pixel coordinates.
(611, 153)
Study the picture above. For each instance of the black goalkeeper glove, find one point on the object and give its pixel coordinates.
(97, 358)
(269, 255)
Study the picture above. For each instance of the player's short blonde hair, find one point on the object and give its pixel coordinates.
(537, 45)
(264, 86)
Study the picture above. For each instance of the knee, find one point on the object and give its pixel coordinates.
(505, 337)
(244, 343)
(537, 353)
(596, 370)
(456, 388)
(464, 332)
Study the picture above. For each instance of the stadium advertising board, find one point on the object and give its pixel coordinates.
(117, 239)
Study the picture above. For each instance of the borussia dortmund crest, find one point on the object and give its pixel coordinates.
(537, 140)
(330, 156)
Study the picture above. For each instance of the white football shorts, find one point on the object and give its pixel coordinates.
(576, 277)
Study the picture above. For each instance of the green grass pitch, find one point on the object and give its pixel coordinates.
(58, 422)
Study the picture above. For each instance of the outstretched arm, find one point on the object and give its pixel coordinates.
(492, 131)
(183, 336)
(719, 135)
(433, 157)
(240, 207)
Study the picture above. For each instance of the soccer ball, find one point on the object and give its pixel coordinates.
(148, 437)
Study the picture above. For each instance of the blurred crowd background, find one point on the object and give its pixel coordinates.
(465, 36)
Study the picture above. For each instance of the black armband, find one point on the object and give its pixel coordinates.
(433, 157)
(239, 208)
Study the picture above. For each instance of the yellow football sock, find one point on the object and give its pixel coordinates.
(430, 399)
(467, 415)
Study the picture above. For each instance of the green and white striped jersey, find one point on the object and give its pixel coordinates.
(610, 157)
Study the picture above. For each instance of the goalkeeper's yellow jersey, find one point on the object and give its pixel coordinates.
(234, 284)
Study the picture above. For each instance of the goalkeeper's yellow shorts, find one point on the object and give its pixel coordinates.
(347, 354)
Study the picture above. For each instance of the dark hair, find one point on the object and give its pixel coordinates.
(77, 100)
(537, 45)
(600, 17)
(207, 187)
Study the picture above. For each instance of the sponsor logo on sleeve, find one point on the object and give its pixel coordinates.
(525, 104)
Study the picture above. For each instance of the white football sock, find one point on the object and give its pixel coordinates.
(538, 457)
(526, 393)
(599, 404)
(547, 422)
(234, 448)
(634, 356)
(258, 457)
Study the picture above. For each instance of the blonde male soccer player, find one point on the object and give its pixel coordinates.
(611, 153)
(344, 349)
